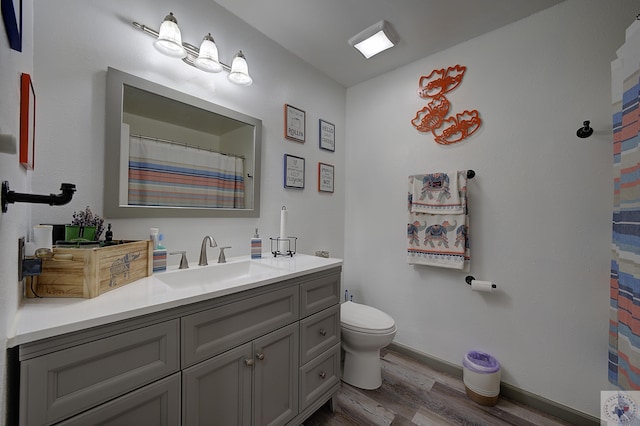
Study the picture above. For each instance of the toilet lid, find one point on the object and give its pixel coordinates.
(365, 319)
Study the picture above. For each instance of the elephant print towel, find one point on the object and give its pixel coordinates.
(440, 237)
(439, 193)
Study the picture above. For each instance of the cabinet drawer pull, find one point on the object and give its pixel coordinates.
(323, 332)
(322, 374)
(249, 362)
(260, 356)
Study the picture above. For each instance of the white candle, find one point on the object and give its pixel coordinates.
(284, 245)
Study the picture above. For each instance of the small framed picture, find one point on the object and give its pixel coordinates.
(294, 123)
(27, 122)
(325, 177)
(327, 135)
(12, 18)
(293, 172)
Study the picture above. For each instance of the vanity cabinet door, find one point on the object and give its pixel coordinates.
(156, 404)
(276, 377)
(218, 391)
(256, 381)
(61, 384)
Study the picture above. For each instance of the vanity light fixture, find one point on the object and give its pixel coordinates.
(375, 39)
(169, 42)
(207, 59)
(239, 73)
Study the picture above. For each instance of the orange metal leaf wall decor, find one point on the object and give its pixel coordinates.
(433, 117)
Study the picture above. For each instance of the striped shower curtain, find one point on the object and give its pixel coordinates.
(167, 174)
(624, 322)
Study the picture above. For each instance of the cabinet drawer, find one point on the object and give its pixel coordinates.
(319, 376)
(216, 330)
(318, 333)
(319, 294)
(60, 384)
(155, 404)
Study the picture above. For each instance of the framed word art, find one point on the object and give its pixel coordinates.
(325, 177)
(293, 172)
(12, 18)
(327, 135)
(294, 123)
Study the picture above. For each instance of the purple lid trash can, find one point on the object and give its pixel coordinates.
(481, 377)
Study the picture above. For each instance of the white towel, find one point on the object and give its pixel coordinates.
(442, 238)
(439, 193)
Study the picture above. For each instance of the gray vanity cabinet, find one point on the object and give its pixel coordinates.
(266, 356)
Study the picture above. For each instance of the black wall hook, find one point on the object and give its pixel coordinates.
(470, 174)
(585, 131)
(10, 197)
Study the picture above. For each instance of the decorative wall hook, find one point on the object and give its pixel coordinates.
(585, 131)
(10, 197)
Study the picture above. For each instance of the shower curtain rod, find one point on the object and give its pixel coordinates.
(184, 144)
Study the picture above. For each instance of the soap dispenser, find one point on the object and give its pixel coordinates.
(256, 246)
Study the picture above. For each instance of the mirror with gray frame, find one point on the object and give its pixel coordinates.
(169, 154)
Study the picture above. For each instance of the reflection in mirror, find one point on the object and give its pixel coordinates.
(174, 155)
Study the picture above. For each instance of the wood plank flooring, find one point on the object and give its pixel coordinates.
(414, 394)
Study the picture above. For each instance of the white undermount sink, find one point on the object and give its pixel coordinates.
(219, 274)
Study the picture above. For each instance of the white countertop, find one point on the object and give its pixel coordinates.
(48, 317)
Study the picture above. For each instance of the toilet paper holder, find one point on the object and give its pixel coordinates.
(470, 278)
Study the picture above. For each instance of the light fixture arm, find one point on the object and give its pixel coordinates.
(192, 51)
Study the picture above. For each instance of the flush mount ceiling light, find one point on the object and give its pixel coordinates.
(375, 39)
(169, 42)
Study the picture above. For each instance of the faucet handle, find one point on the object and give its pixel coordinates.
(184, 263)
(221, 258)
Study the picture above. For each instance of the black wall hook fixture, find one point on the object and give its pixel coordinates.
(471, 174)
(10, 197)
(585, 131)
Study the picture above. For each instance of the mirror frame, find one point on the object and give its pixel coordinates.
(116, 80)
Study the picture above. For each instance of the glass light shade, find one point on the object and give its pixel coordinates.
(373, 40)
(239, 73)
(374, 44)
(207, 59)
(169, 40)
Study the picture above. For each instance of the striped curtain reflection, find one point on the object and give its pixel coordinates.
(168, 174)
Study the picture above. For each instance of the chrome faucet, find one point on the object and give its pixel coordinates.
(203, 249)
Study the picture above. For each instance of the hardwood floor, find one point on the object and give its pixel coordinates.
(414, 394)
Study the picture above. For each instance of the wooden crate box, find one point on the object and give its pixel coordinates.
(92, 271)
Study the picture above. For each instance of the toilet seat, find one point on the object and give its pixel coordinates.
(365, 319)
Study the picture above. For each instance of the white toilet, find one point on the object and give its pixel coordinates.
(365, 330)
